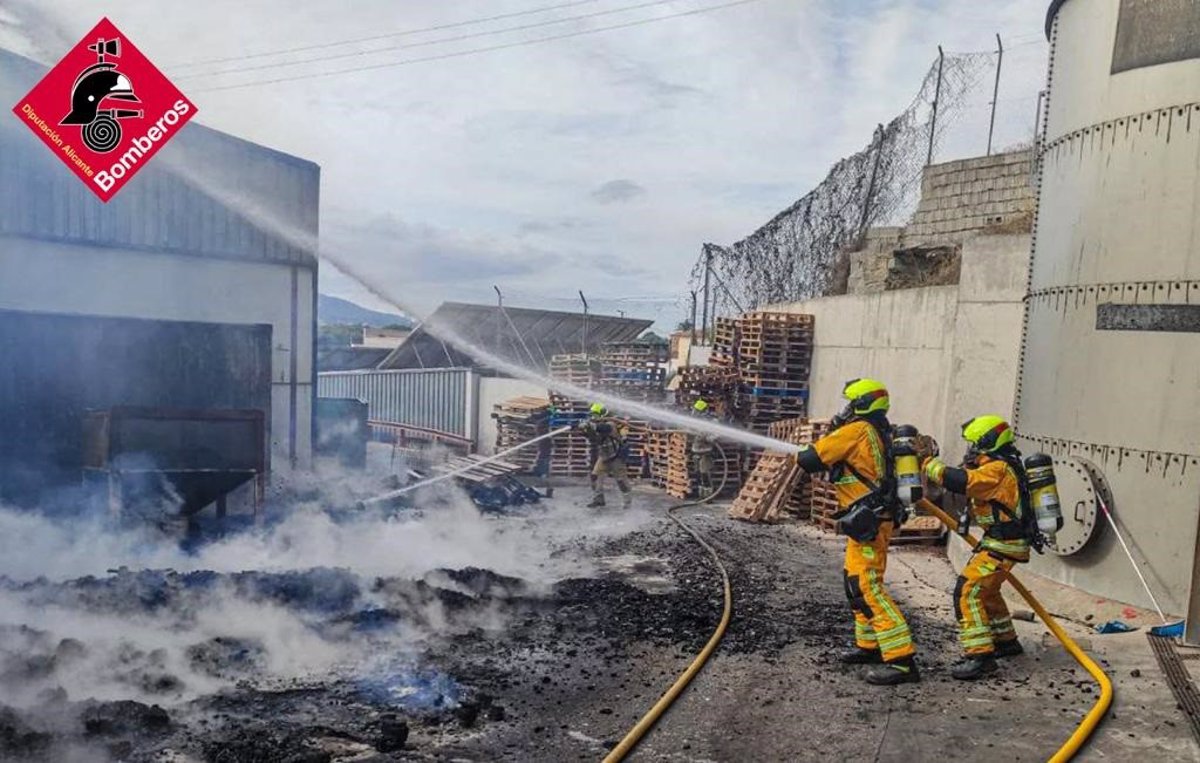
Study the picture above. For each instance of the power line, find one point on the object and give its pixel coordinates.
(373, 38)
(427, 43)
(473, 51)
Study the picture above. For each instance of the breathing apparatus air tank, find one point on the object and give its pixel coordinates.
(908, 467)
(1043, 492)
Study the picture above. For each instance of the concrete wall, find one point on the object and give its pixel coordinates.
(494, 390)
(946, 352)
(86, 280)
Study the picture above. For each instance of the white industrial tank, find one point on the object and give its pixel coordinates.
(1109, 382)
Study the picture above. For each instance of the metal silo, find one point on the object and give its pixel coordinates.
(1109, 381)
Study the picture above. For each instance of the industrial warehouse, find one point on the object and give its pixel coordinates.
(301, 460)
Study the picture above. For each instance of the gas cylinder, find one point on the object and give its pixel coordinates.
(1043, 492)
(908, 468)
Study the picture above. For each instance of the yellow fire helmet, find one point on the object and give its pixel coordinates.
(987, 433)
(598, 410)
(866, 396)
(700, 406)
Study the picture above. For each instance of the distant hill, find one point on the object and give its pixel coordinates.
(335, 310)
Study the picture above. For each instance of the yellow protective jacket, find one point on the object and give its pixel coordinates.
(995, 494)
(857, 444)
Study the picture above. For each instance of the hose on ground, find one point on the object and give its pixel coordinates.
(1090, 721)
(647, 721)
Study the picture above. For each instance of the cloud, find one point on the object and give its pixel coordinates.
(618, 191)
(483, 169)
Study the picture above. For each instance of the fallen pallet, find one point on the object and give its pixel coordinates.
(766, 490)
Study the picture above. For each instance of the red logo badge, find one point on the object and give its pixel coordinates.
(105, 110)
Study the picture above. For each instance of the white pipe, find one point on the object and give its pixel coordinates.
(1113, 524)
(467, 468)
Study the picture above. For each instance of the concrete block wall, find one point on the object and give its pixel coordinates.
(869, 265)
(960, 199)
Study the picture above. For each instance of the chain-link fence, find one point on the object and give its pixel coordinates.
(800, 253)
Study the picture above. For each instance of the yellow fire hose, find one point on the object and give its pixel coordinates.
(651, 717)
(1098, 711)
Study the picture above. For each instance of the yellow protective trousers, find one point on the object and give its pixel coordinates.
(878, 623)
(983, 618)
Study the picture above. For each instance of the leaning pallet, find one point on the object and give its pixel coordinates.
(766, 490)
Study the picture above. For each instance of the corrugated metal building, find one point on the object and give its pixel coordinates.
(195, 287)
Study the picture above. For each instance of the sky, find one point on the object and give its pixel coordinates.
(598, 162)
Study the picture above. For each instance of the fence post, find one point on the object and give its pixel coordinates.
(867, 202)
(937, 96)
(996, 91)
(704, 315)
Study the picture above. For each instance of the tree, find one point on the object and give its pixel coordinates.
(685, 325)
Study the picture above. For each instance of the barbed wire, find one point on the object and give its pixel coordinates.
(800, 252)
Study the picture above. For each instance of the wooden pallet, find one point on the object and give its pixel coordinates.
(766, 490)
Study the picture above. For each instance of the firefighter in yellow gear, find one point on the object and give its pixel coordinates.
(608, 436)
(993, 479)
(856, 452)
(702, 447)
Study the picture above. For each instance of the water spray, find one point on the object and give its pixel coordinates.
(268, 222)
(451, 474)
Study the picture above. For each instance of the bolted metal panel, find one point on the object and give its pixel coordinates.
(1117, 247)
(437, 398)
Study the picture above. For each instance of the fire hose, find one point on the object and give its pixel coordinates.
(1090, 721)
(626, 745)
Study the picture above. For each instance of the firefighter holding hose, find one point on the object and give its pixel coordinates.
(857, 453)
(703, 448)
(993, 478)
(607, 435)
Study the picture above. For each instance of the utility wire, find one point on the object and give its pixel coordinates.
(473, 51)
(373, 38)
(427, 43)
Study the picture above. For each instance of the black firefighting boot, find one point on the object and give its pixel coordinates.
(597, 501)
(1010, 648)
(859, 656)
(893, 673)
(974, 667)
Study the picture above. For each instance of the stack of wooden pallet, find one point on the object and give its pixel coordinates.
(725, 343)
(634, 370)
(667, 452)
(673, 468)
(520, 420)
(579, 370)
(775, 356)
(716, 385)
(571, 454)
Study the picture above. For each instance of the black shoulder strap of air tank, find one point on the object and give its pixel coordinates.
(889, 467)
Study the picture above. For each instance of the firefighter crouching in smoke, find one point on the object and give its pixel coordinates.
(857, 453)
(993, 479)
(702, 451)
(607, 435)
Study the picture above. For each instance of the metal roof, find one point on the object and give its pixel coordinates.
(517, 334)
(351, 358)
(160, 209)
